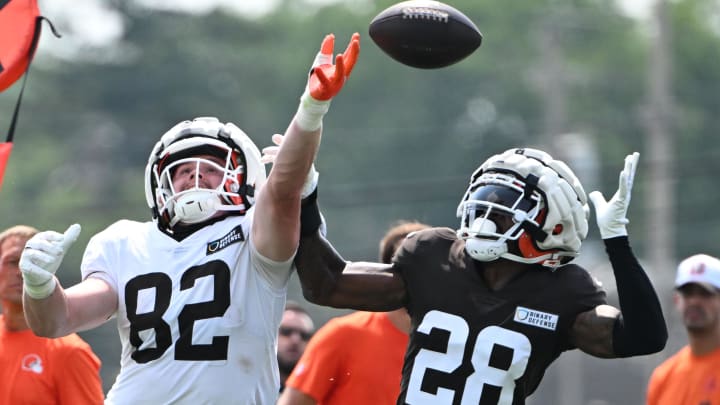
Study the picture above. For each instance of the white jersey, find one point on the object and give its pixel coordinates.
(198, 319)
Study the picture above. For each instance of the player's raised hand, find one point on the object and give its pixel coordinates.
(269, 153)
(327, 79)
(41, 258)
(612, 215)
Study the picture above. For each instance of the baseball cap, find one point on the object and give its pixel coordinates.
(700, 269)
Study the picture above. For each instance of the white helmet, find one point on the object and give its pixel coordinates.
(544, 200)
(243, 173)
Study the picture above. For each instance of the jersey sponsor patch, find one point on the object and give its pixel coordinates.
(234, 236)
(536, 318)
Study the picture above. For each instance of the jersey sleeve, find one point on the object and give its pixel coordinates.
(414, 249)
(420, 250)
(577, 291)
(587, 290)
(320, 366)
(78, 379)
(98, 258)
(277, 274)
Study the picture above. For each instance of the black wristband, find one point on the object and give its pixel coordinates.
(310, 218)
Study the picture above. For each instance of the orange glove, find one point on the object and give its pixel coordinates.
(326, 80)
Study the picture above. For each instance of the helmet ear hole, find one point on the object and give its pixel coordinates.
(557, 230)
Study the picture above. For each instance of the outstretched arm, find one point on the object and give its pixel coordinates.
(639, 327)
(276, 230)
(327, 279)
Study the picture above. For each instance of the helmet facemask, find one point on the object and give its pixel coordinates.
(200, 201)
(497, 200)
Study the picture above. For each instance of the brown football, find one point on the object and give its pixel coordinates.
(425, 34)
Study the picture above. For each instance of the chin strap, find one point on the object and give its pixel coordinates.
(195, 206)
(198, 206)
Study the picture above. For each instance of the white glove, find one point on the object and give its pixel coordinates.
(41, 258)
(269, 153)
(611, 215)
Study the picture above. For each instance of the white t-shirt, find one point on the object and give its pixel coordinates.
(198, 319)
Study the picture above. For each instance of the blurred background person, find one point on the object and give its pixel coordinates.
(356, 358)
(296, 328)
(692, 375)
(36, 370)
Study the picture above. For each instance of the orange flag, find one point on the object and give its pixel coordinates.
(20, 23)
(18, 38)
(5, 149)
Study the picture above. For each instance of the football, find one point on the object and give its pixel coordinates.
(425, 34)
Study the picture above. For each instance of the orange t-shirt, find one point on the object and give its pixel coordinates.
(36, 370)
(353, 359)
(686, 379)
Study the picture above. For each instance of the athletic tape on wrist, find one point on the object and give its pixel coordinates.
(310, 112)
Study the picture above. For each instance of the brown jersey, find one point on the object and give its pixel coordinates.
(472, 345)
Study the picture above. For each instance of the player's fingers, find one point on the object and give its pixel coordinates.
(269, 154)
(270, 150)
(627, 176)
(32, 273)
(47, 241)
(630, 167)
(278, 139)
(353, 45)
(622, 191)
(328, 44)
(48, 236)
(322, 78)
(40, 258)
(339, 74)
(597, 199)
(265, 159)
(28, 266)
(351, 54)
(70, 236)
